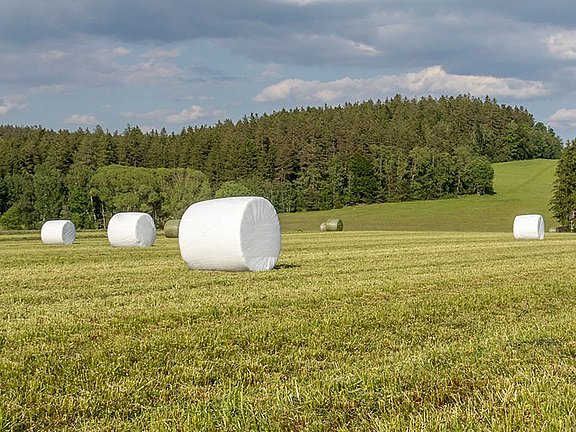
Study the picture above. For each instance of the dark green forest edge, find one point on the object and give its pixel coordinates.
(319, 158)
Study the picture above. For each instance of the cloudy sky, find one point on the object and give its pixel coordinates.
(66, 64)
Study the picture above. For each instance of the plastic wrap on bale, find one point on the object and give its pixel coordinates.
(332, 225)
(131, 229)
(230, 234)
(58, 232)
(529, 227)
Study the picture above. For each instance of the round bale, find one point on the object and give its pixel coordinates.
(231, 234)
(529, 227)
(171, 228)
(58, 232)
(333, 225)
(323, 227)
(131, 229)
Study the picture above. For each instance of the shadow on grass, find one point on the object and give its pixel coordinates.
(286, 266)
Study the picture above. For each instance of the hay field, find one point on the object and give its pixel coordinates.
(520, 187)
(352, 331)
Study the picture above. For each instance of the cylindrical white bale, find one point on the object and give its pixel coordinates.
(233, 234)
(529, 227)
(332, 225)
(58, 232)
(131, 229)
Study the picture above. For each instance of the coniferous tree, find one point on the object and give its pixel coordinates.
(21, 213)
(362, 184)
(563, 202)
(3, 195)
(301, 159)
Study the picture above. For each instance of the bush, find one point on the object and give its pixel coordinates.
(233, 189)
(14, 219)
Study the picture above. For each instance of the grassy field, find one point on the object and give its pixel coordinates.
(521, 187)
(375, 330)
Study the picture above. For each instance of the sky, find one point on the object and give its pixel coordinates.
(69, 64)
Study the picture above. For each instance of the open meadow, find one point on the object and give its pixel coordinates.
(367, 330)
(520, 187)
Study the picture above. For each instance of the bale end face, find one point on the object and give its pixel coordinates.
(58, 232)
(171, 228)
(230, 234)
(131, 229)
(529, 227)
(332, 225)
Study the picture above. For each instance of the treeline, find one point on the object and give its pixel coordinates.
(303, 159)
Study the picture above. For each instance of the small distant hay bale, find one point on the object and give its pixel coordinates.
(131, 229)
(332, 225)
(529, 227)
(171, 228)
(231, 234)
(58, 232)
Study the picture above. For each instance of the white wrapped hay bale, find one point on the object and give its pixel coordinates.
(529, 227)
(332, 225)
(131, 229)
(234, 234)
(61, 232)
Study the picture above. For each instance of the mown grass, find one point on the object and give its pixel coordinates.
(374, 330)
(521, 187)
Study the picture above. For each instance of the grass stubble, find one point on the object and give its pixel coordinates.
(352, 331)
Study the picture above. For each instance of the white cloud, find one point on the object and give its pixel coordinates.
(563, 118)
(361, 48)
(11, 103)
(90, 63)
(433, 80)
(283, 89)
(187, 115)
(563, 45)
(81, 120)
(336, 45)
(17, 102)
(271, 71)
(153, 71)
(6, 107)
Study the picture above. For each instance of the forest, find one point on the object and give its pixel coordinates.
(310, 158)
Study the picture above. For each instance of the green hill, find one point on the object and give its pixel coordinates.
(521, 187)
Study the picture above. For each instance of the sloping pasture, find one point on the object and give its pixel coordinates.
(521, 187)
